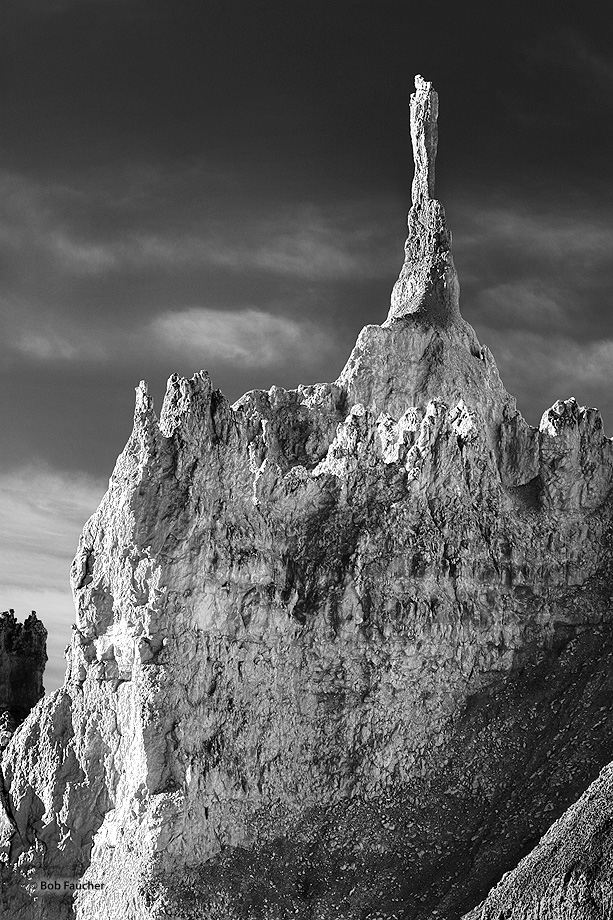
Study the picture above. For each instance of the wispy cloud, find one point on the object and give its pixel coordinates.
(566, 73)
(43, 510)
(82, 258)
(53, 250)
(306, 243)
(311, 247)
(47, 509)
(53, 345)
(587, 60)
(521, 269)
(548, 358)
(525, 304)
(537, 285)
(249, 336)
(551, 234)
(540, 367)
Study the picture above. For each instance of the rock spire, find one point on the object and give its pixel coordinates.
(428, 283)
(424, 137)
(22, 663)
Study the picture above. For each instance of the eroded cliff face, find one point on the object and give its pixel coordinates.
(329, 641)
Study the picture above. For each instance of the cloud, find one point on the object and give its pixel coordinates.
(537, 285)
(47, 509)
(540, 367)
(313, 248)
(551, 234)
(47, 223)
(197, 334)
(251, 337)
(524, 269)
(542, 357)
(313, 245)
(97, 271)
(82, 258)
(52, 345)
(589, 62)
(526, 304)
(43, 511)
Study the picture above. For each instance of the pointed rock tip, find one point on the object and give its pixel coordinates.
(424, 137)
(144, 402)
(184, 397)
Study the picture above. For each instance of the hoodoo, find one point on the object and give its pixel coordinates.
(428, 283)
(339, 651)
(22, 663)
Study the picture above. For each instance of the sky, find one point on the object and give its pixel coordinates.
(224, 185)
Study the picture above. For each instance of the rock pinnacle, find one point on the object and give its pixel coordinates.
(424, 137)
(428, 283)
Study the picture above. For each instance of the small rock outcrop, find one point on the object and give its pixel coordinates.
(340, 651)
(23, 657)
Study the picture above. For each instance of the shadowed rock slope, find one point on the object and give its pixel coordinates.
(342, 651)
(569, 875)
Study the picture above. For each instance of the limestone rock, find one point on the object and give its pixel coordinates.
(339, 651)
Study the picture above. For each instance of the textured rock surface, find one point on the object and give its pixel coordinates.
(23, 657)
(340, 651)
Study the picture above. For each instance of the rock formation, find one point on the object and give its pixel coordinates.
(340, 651)
(428, 283)
(23, 657)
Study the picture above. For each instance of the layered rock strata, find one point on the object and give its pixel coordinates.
(340, 651)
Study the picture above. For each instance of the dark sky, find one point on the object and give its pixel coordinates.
(224, 185)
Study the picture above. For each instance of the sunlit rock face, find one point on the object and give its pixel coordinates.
(339, 651)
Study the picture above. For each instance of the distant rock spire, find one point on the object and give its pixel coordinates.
(23, 654)
(428, 283)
